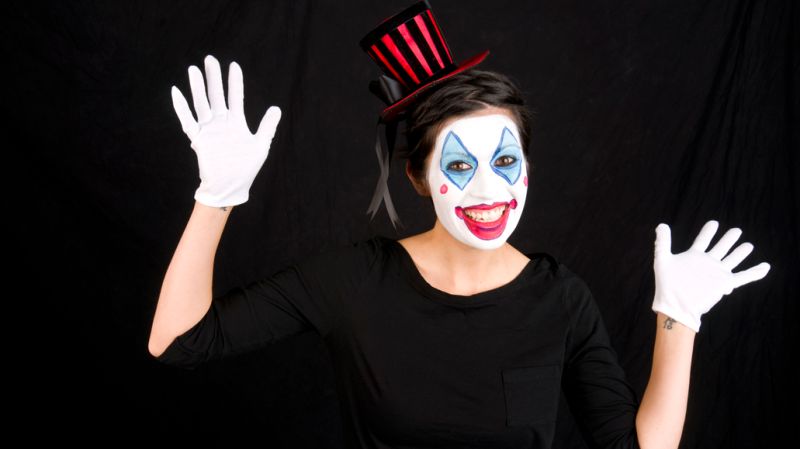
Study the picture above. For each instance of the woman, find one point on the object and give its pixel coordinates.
(437, 338)
(451, 337)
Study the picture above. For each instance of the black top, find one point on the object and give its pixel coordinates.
(417, 367)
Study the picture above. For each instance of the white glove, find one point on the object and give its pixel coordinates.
(228, 155)
(689, 284)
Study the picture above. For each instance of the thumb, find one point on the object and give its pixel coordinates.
(663, 244)
(266, 130)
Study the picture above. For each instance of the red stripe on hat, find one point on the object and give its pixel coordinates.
(439, 32)
(431, 45)
(389, 66)
(387, 40)
(414, 48)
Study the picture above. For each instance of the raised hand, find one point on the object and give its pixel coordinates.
(228, 154)
(690, 283)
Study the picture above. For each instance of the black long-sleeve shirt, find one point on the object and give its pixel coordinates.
(417, 367)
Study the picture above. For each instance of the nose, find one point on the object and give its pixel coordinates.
(486, 184)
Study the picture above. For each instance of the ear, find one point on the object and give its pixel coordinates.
(420, 187)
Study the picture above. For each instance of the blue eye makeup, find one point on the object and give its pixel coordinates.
(457, 163)
(507, 150)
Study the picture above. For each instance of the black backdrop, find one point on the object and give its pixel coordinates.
(674, 111)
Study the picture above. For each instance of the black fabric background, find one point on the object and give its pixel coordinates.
(673, 111)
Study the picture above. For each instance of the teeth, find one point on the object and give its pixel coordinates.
(485, 215)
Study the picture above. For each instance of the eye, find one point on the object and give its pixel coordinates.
(458, 166)
(505, 161)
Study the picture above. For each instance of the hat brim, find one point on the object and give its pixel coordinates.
(391, 112)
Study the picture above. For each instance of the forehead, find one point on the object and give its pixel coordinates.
(479, 133)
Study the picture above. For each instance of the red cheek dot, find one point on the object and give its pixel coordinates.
(443, 189)
(525, 181)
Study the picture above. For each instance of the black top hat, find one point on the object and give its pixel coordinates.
(411, 51)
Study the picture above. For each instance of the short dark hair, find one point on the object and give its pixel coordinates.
(461, 94)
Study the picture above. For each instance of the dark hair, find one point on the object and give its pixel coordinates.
(461, 94)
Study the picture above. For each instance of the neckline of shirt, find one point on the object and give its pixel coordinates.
(495, 295)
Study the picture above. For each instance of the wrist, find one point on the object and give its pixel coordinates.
(213, 210)
(671, 308)
(666, 322)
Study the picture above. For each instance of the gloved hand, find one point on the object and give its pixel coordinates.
(690, 283)
(228, 155)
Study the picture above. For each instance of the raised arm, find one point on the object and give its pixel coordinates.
(660, 418)
(229, 158)
(688, 285)
(186, 291)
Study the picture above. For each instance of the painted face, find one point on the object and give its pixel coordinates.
(478, 181)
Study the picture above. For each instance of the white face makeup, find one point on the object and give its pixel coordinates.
(477, 176)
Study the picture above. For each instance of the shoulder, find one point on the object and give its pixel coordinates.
(554, 268)
(360, 254)
(573, 289)
(577, 299)
(557, 269)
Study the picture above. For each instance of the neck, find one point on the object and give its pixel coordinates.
(467, 264)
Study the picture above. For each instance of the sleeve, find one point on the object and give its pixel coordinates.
(602, 401)
(301, 297)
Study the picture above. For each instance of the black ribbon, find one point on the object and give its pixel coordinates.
(389, 91)
(384, 156)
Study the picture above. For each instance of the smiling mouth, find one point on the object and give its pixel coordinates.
(486, 222)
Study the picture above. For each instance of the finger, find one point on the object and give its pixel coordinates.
(724, 244)
(663, 244)
(188, 122)
(216, 97)
(235, 89)
(737, 255)
(266, 130)
(199, 95)
(751, 274)
(705, 235)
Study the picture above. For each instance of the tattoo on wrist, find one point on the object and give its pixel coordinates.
(668, 323)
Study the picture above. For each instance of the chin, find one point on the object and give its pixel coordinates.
(486, 245)
(467, 237)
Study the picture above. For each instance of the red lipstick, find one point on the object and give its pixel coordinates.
(486, 230)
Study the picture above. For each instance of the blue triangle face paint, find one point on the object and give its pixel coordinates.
(507, 157)
(457, 163)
